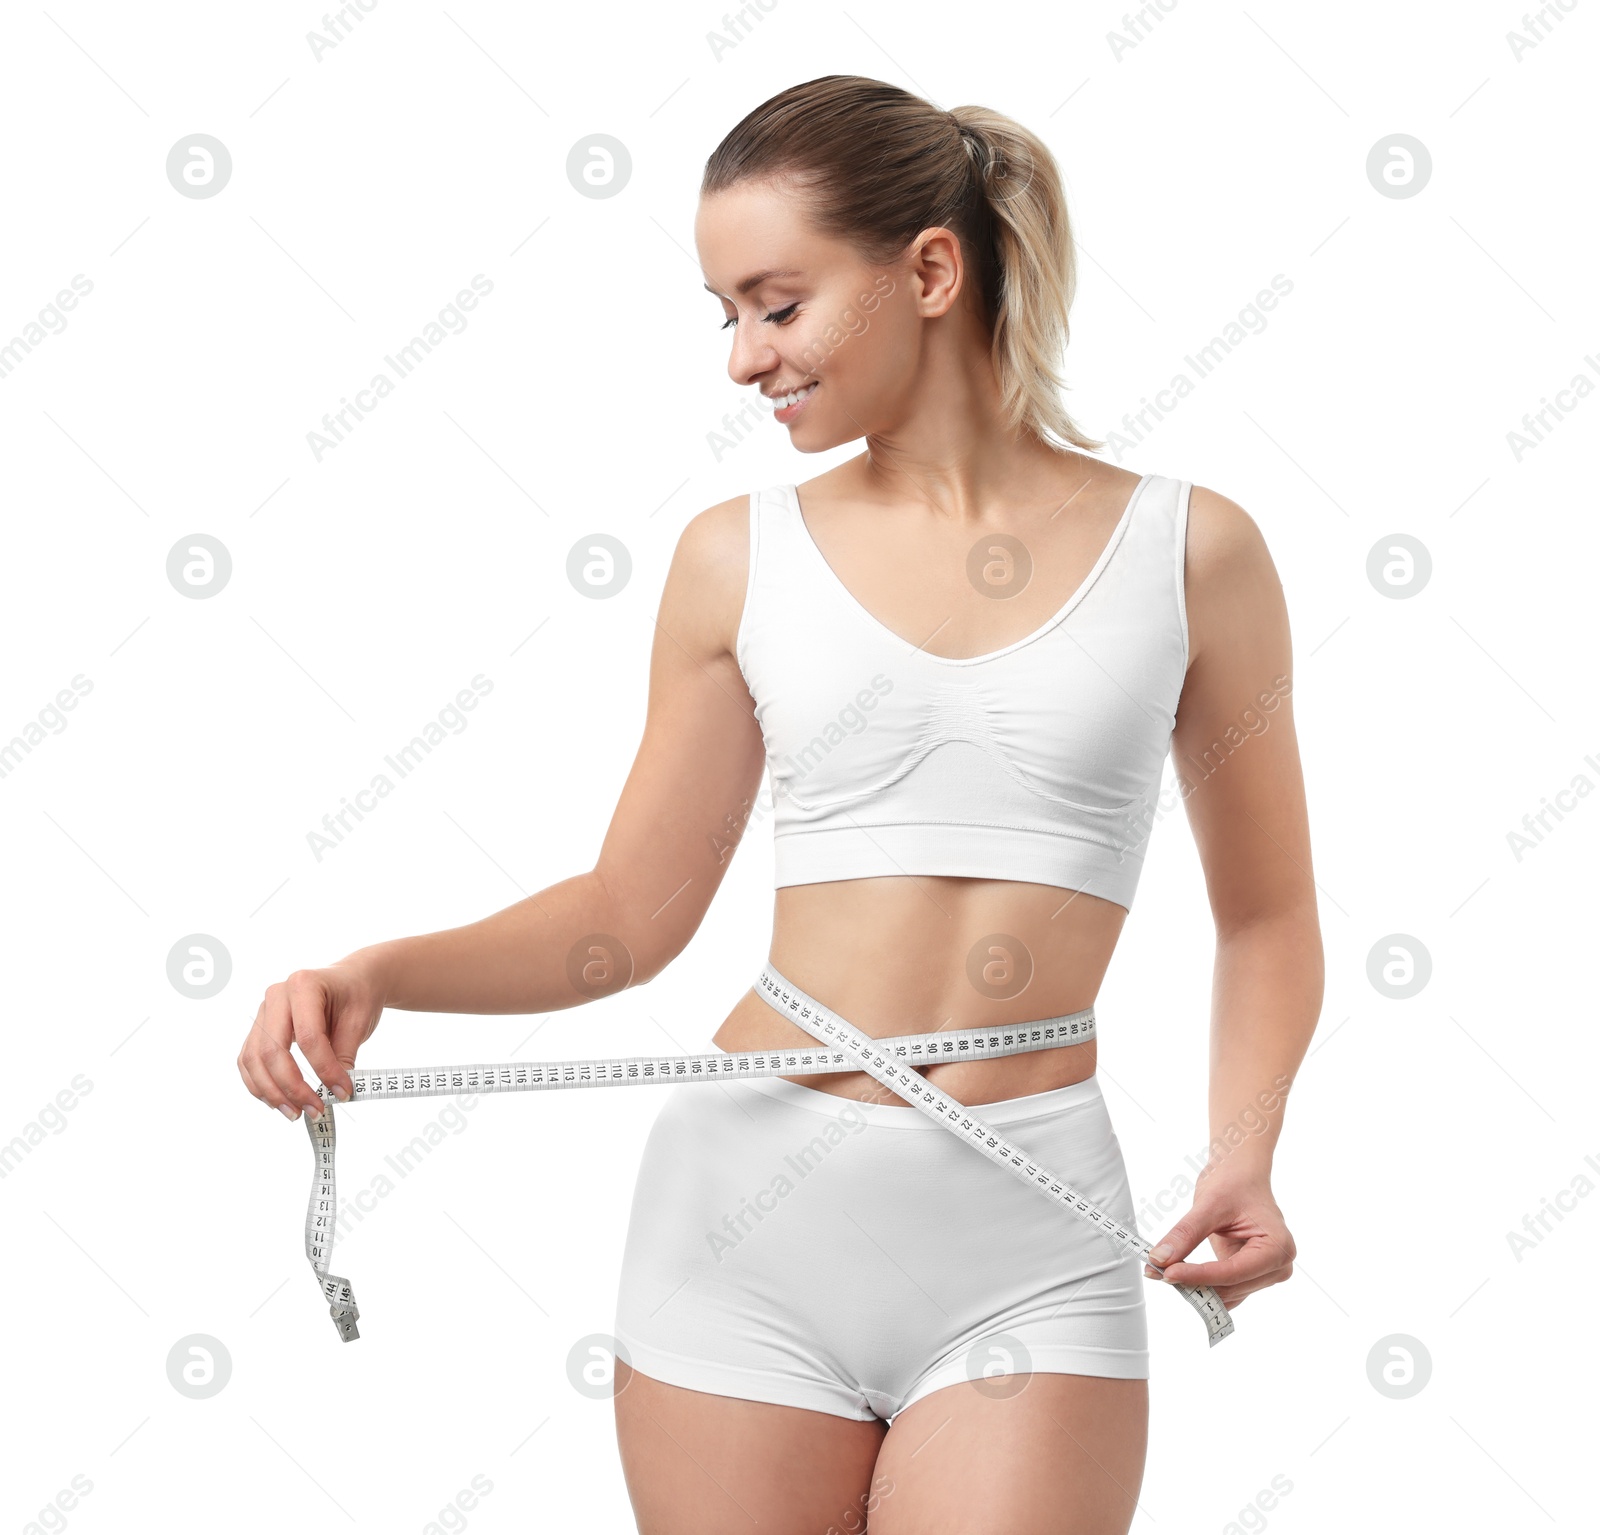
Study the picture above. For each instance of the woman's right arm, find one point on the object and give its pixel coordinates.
(686, 800)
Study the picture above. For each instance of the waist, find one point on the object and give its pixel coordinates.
(997, 998)
(902, 950)
(884, 1109)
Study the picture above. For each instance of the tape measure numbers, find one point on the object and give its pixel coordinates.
(843, 1048)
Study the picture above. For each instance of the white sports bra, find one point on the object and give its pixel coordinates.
(1040, 761)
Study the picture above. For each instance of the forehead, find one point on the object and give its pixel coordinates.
(757, 232)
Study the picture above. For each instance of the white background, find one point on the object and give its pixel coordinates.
(431, 545)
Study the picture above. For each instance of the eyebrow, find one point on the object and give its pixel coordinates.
(758, 279)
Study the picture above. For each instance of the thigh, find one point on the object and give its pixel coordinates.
(699, 1464)
(1063, 1455)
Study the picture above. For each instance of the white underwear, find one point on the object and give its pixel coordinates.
(793, 1246)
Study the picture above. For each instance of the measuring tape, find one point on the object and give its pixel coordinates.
(889, 1061)
(869, 1055)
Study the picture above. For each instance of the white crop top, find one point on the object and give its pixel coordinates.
(1040, 761)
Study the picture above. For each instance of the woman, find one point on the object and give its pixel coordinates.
(963, 655)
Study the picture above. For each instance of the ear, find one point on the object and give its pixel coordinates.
(939, 270)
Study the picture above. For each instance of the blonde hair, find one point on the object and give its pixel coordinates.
(876, 165)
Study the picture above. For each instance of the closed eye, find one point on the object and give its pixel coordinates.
(777, 317)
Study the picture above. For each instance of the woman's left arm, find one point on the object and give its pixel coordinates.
(1238, 768)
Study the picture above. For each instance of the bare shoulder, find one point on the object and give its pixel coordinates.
(1223, 536)
(1226, 553)
(716, 542)
(1230, 580)
(704, 594)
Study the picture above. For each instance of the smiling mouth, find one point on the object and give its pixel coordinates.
(793, 397)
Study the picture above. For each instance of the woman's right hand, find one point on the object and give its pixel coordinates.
(329, 1013)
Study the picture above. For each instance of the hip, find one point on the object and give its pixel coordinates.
(792, 1246)
(786, 1174)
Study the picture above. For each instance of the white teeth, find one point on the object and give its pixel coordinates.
(784, 401)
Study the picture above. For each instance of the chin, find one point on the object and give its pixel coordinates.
(815, 437)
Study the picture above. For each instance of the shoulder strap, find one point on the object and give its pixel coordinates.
(1146, 568)
(768, 559)
(1180, 543)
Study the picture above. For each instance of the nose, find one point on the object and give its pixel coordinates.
(750, 356)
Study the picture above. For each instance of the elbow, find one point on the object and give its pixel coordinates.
(1243, 909)
(651, 960)
(1287, 937)
(1292, 927)
(623, 934)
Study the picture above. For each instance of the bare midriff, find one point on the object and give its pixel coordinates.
(911, 954)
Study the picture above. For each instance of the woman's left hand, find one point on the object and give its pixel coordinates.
(1253, 1246)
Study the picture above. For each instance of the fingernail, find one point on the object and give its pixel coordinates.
(342, 1094)
(287, 1112)
(314, 1110)
(1160, 1254)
